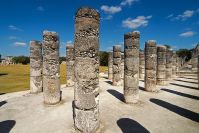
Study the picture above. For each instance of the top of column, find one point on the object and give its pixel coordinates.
(87, 12)
(135, 34)
(150, 43)
(50, 35)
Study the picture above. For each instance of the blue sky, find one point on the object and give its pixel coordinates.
(173, 22)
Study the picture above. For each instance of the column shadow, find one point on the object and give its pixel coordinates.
(131, 126)
(3, 74)
(141, 88)
(188, 78)
(176, 109)
(109, 82)
(116, 94)
(2, 103)
(181, 94)
(2, 93)
(186, 81)
(190, 87)
(6, 126)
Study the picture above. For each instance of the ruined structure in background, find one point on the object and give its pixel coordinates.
(117, 65)
(35, 66)
(169, 65)
(150, 65)
(122, 65)
(110, 65)
(194, 59)
(174, 64)
(70, 65)
(142, 65)
(86, 89)
(131, 67)
(161, 65)
(51, 70)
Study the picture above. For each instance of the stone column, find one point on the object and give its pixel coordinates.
(35, 66)
(150, 65)
(174, 64)
(161, 65)
(69, 65)
(168, 65)
(110, 65)
(122, 66)
(51, 70)
(142, 65)
(131, 67)
(117, 81)
(86, 93)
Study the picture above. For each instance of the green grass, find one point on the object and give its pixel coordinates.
(15, 78)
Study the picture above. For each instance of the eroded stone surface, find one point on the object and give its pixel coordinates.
(70, 65)
(150, 65)
(86, 66)
(131, 67)
(142, 65)
(51, 69)
(117, 81)
(174, 64)
(161, 65)
(110, 65)
(35, 66)
(168, 65)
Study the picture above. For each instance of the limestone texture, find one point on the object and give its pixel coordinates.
(150, 65)
(142, 65)
(168, 65)
(110, 65)
(161, 65)
(51, 69)
(117, 81)
(86, 66)
(131, 67)
(70, 65)
(35, 67)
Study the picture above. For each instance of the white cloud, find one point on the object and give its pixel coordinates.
(140, 21)
(69, 42)
(111, 9)
(12, 37)
(169, 16)
(186, 14)
(128, 2)
(40, 8)
(109, 17)
(187, 34)
(19, 44)
(12, 27)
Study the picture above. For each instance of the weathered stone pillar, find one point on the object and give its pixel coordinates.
(122, 66)
(110, 65)
(150, 65)
(161, 65)
(131, 67)
(86, 100)
(168, 65)
(174, 64)
(69, 65)
(51, 70)
(142, 65)
(35, 66)
(117, 81)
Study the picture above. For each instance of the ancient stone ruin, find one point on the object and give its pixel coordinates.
(86, 97)
(51, 70)
(161, 65)
(117, 81)
(110, 65)
(150, 65)
(168, 65)
(131, 67)
(174, 64)
(35, 66)
(142, 65)
(70, 65)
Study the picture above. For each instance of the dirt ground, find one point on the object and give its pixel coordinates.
(174, 109)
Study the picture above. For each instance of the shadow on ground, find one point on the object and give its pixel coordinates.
(130, 126)
(186, 81)
(116, 94)
(181, 94)
(2, 74)
(190, 87)
(109, 82)
(2, 103)
(6, 126)
(188, 78)
(176, 109)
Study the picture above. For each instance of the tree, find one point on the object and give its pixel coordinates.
(103, 58)
(21, 59)
(62, 59)
(184, 53)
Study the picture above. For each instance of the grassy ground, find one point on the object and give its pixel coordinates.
(16, 77)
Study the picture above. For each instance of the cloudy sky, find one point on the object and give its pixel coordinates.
(172, 22)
